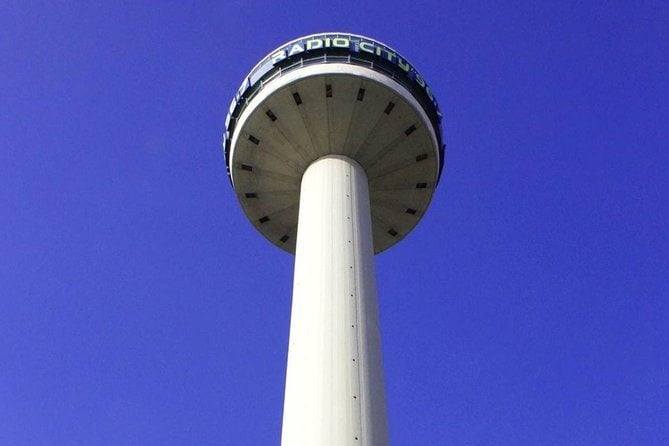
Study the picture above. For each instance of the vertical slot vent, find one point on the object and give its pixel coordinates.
(297, 98)
(361, 94)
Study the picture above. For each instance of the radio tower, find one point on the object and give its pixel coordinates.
(333, 146)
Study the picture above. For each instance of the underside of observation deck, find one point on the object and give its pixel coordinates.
(330, 109)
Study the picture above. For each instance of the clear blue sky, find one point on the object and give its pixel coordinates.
(139, 307)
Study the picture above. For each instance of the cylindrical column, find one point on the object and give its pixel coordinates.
(334, 385)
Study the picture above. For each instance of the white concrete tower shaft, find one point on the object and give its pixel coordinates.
(334, 386)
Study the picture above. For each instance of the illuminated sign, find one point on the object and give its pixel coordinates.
(354, 44)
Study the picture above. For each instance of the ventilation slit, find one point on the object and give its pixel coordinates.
(392, 232)
(421, 185)
(421, 157)
(284, 239)
(251, 195)
(328, 91)
(361, 94)
(410, 130)
(297, 98)
(247, 167)
(389, 107)
(254, 140)
(264, 219)
(270, 114)
(411, 211)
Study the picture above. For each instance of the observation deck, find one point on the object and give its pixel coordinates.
(334, 94)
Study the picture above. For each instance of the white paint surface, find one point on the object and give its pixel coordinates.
(334, 386)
